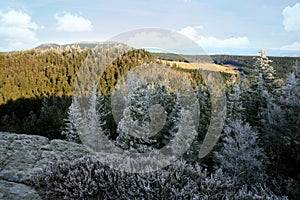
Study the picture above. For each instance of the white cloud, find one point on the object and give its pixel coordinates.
(293, 47)
(191, 31)
(233, 42)
(194, 33)
(15, 36)
(16, 28)
(72, 23)
(291, 18)
(19, 19)
(160, 39)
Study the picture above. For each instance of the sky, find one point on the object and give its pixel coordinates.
(227, 27)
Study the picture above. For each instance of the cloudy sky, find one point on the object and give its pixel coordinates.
(231, 26)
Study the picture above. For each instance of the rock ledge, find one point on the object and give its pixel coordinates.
(22, 156)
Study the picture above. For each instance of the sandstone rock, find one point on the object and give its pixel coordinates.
(22, 156)
(17, 191)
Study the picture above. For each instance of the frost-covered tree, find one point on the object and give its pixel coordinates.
(74, 116)
(92, 133)
(234, 105)
(256, 98)
(85, 121)
(135, 119)
(204, 108)
(148, 117)
(263, 68)
(281, 125)
(260, 90)
(241, 157)
(187, 131)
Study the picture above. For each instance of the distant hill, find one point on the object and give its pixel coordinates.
(77, 45)
(282, 65)
(47, 46)
(42, 73)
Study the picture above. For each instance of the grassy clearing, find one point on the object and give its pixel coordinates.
(204, 66)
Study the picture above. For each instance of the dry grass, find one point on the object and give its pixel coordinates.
(204, 66)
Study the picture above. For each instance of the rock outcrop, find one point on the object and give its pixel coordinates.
(22, 156)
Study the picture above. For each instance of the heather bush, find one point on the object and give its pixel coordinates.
(87, 178)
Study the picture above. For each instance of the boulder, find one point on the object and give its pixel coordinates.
(17, 191)
(22, 156)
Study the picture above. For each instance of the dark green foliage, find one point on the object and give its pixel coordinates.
(36, 117)
(282, 65)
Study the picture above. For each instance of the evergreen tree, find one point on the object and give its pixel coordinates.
(149, 118)
(263, 67)
(234, 105)
(74, 116)
(186, 132)
(261, 89)
(241, 157)
(204, 107)
(281, 121)
(86, 123)
(93, 134)
(133, 128)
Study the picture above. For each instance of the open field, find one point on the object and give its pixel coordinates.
(203, 66)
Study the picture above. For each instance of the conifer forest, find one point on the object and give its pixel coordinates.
(256, 155)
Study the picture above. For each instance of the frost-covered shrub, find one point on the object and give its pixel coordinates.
(87, 178)
(71, 179)
(257, 191)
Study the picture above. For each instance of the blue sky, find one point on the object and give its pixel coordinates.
(231, 26)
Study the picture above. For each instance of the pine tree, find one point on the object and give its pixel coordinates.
(150, 116)
(86, 123)
(186, 132)
(261, 88)
(74, 117)
(280, 122)
(133, 128)
(204, 107)
(234, 105)
(241, 157)
(263, 67)
(93, 134)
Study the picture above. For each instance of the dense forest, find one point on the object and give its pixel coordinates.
(256, 156)
(37, 85)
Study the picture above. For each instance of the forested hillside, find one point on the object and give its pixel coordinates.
(36, 85)
(257, 154)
